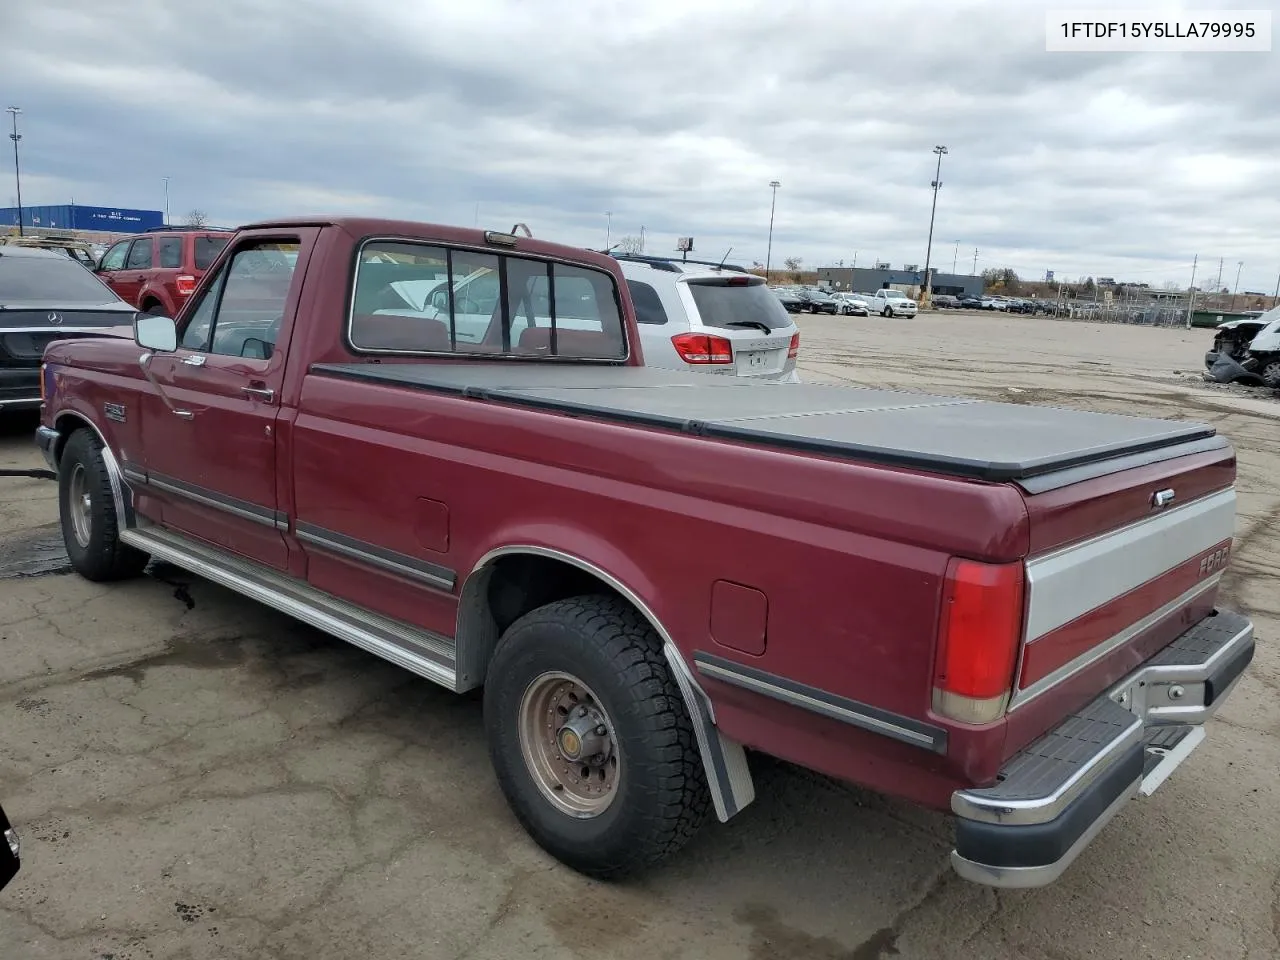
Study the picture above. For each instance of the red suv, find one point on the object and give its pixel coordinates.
(158, 270)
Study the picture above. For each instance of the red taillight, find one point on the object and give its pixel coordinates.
(794, 350)
(701, 348)
(186, 285)
(979, 634)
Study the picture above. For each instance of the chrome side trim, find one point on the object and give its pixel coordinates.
(1108, 646)
(1024, 877)
(821, 702)
(243, 509)
(47, 440)
(419, 651)
(723, 759)
(402, 565)
(1081, 577)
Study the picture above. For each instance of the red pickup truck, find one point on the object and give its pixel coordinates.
(1001, 610)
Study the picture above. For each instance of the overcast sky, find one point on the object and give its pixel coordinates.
(672, 115)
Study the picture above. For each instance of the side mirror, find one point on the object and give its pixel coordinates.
(155, 332)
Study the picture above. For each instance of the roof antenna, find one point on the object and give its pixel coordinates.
(724, 258)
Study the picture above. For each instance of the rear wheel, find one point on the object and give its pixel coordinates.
(590, 738)
(86, 506)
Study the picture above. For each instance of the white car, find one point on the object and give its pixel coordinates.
(706, 318)
(852, 304)
(893, 303)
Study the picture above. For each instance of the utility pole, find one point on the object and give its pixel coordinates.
(17, 173)
(773, 204)
(1217, 284)
(642, 238)
(1236, 289)
(954, 257)
(928, 250)
(166, 200)
(975, 262)
(1191, 290)
(608, 230)
(1276, 296)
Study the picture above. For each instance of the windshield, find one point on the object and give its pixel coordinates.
(896, 295)
(53, 280)
(736, 301)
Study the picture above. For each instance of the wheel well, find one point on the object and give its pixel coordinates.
(66, 425)
(499, 593)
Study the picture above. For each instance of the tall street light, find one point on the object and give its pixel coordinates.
(17, 174)
(1236, 289)
(608, 228)
(928, 251)
(166, 200)
(773, 204)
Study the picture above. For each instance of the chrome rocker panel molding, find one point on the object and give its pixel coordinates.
(1058, 793)
(419, 651)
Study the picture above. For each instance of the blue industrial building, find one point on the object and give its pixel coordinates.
(74, 216)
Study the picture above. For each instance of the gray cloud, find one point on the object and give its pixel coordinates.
(669, 114)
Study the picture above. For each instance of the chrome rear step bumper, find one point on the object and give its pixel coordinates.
(1055, 796)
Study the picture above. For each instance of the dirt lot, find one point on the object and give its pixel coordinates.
(199, 777)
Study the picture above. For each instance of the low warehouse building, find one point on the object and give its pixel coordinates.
(911, 282)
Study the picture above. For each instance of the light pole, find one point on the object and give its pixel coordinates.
(773, 204)
(608, 228)
(17, 174)
(1191, 290)
(166, 200)
(928, 250)
(954, 257)
(1236, 289)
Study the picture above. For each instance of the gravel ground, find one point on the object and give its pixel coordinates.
(199, 777)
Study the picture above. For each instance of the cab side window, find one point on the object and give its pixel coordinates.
(240, 312)
(139, 255)
(113, 259)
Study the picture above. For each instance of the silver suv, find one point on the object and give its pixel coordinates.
(710, 318)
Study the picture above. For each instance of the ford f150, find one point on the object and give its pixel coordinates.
(1001, 610)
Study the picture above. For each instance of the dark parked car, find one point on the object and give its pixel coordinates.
(47, 296)
(156, 272)
(10, 858)
(944, 301)
(791, 302)
(971, 302)
(818, 301)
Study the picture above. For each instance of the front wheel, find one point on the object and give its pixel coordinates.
(886, 312)
(590, 739)
(86, 507)
(1269, 371)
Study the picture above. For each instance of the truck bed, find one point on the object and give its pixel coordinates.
(976, 439)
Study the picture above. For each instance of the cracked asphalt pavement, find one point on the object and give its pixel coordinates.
(196, 776)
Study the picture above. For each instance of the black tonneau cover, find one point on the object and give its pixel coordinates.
(970, 438)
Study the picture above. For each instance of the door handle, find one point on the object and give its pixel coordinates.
(265, 394)
(195, 360)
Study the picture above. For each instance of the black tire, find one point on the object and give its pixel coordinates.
(1269, 370)
(661, 797)
(887, 313)
(102, 556)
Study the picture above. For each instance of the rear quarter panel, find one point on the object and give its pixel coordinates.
(850, 557)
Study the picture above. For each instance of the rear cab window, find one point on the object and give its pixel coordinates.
(737, 302)
(415, 297)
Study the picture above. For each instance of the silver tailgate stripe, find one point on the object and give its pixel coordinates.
(1074, 580)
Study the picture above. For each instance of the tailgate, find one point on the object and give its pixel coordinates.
(1119, 566)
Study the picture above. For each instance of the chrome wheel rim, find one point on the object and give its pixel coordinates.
(568, 744)
(79, 504)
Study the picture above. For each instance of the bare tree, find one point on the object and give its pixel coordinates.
(793, 263)
(630, 245)
(196, 218)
